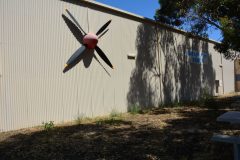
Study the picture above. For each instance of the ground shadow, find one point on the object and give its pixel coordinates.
(170, 67)
(189, 137)
(183, 136)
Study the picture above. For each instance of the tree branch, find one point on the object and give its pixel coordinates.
(212, 23)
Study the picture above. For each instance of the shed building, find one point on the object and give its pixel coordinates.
(154, 64)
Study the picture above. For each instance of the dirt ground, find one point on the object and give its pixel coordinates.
(179, 133)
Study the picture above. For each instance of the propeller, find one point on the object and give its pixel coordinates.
(88, 41)
(103, 33)
(74, 59)
(103, 27)
(103, 56)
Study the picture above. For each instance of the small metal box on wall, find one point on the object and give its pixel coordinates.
(237, 74)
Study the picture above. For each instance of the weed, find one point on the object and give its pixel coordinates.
(115, 118)
(174, 104)
(205, 97)
(115, 114)
(80, 118)
(111, 121)
(48, 125)
(135, 109)
(177, 104)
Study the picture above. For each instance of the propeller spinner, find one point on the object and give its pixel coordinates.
(88, 41)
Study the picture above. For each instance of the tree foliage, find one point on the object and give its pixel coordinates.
(196, 16)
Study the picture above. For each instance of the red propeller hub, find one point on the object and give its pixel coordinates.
(90, 40)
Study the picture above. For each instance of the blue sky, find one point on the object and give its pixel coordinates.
(147, 8)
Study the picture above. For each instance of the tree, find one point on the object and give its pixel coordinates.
(196, 16)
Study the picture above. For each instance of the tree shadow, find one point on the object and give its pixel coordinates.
(140, 90)
(169, 68)
(185, 137)
(190, 136)
(87, 141)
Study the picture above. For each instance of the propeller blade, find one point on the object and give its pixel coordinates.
(74, 29)
(74, 59)
(103, 33)
(103, 56)
(68, 12)
(103, 27)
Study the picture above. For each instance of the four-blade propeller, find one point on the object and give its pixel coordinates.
(88, 41)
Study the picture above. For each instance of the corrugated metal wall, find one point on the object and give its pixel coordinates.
(35, 44)
(228, 76)
(2, 111)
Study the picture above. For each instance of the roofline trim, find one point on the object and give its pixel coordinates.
(141, 18)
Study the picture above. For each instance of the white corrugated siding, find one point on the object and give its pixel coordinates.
(36, 44)
(2, 109)
(228, 76)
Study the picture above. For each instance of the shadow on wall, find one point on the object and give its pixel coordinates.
(170, 67)
(86, 57)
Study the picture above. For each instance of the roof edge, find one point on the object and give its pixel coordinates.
(126, 14)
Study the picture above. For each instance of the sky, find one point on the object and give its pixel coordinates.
(147, 8)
